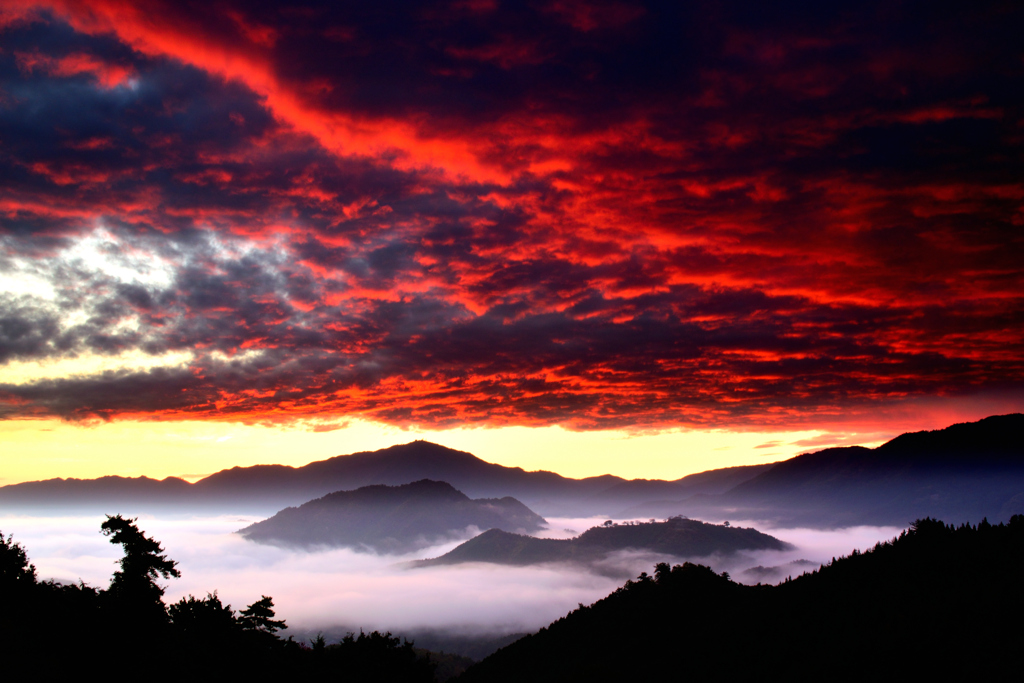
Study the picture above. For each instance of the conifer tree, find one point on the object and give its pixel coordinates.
(259, 616)
(143, 563)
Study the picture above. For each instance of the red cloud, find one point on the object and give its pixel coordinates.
(106, 74)
(507, 216)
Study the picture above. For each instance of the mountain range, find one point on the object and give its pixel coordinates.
(966, 471)
(265, 489)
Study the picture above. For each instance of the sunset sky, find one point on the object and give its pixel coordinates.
(638, 238)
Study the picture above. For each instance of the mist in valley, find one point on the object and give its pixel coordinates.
(336, 590)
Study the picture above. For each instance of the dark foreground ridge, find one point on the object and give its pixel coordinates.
(392, 519)
(937, 603)
(676, 537)
(53, 631)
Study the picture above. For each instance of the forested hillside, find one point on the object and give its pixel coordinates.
(938, 602)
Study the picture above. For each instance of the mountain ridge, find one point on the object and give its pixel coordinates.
(969, 470)
(966, 470)
(268, 488)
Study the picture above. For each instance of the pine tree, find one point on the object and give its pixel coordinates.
(134, 586)
(259, 616)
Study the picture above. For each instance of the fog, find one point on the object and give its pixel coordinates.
(333, 588)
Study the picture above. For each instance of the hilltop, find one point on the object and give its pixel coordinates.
(675, 537)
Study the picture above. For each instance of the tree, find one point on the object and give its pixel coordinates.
(206, 618)
(143, 563)
(259, 616)
(15, 570)
(379, 657)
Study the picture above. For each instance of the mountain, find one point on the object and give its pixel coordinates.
(264, 489)
(626, 493)
(966, 471)
(676, 537)
(394, 519)
(400, 465)
(111, 490)
(936, 603)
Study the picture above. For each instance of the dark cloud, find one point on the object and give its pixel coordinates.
(593, 214)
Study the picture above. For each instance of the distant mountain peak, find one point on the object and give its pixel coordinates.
(391, 518)
(421, 489)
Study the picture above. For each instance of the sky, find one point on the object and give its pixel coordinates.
(637, 238)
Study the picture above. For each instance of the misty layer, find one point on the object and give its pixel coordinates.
(341, 590)
(391, 519)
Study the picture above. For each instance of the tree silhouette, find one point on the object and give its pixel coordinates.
(259, 616)
(143, 563)
(15, 570)
(206, 618)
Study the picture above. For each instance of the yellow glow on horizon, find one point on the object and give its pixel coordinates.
(88, 365)
(50, 448)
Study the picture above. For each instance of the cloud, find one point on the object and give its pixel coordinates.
(314, 590)
(612, 215)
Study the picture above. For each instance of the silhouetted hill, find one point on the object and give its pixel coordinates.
(675, 537)
(401, 465)
(266, 488)
(966, 471)
(391, 518)
(937, 603)
(108, 490)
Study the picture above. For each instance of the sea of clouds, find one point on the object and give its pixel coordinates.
(335, 587)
